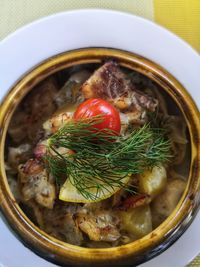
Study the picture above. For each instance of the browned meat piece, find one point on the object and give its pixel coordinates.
(14, 187)
(70, 92)
(59, 223)
(99, 226)
(69, 230)
(17, 155)
(54, 123)
(34, 212)
(134, 202)
(35, 184)
(18, 126)
(40, 102)
(38, 106)
(110, 83)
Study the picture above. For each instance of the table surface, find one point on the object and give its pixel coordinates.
(180, 16)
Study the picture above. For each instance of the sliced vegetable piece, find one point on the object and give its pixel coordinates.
(69, 192)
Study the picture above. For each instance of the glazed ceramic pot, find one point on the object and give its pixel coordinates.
(126, 255)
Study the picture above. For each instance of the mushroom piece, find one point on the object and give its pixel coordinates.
(36, 184)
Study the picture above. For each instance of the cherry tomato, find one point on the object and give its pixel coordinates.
(95, 107)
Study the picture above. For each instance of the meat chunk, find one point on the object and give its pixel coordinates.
(14, 187)
(35, 184)
(57, 121)
(110, 83)
(36, 108)
(70, 230)
(17, 155)
(59, 223)
(70, 92)
(100, 226)
(34, 211)
(18, 126)
(134, 202)
(40, 102)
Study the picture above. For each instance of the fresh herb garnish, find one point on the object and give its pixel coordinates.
(102, 160)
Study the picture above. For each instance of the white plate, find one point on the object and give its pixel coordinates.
(85, 28)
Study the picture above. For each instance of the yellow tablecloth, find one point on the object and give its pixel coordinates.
(180, 16)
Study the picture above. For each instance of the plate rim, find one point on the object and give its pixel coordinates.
(117, 12)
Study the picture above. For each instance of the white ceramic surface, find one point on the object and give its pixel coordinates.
(44, 38)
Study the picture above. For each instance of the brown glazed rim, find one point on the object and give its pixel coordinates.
(59, 251)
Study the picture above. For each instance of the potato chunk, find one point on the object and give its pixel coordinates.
(36, 184)
(136, 221)
(153, 182)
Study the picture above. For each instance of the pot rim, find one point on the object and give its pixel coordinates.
(187, 207)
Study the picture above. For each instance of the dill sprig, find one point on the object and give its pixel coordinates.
(102, 160)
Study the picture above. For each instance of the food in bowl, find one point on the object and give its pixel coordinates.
(95, 155)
